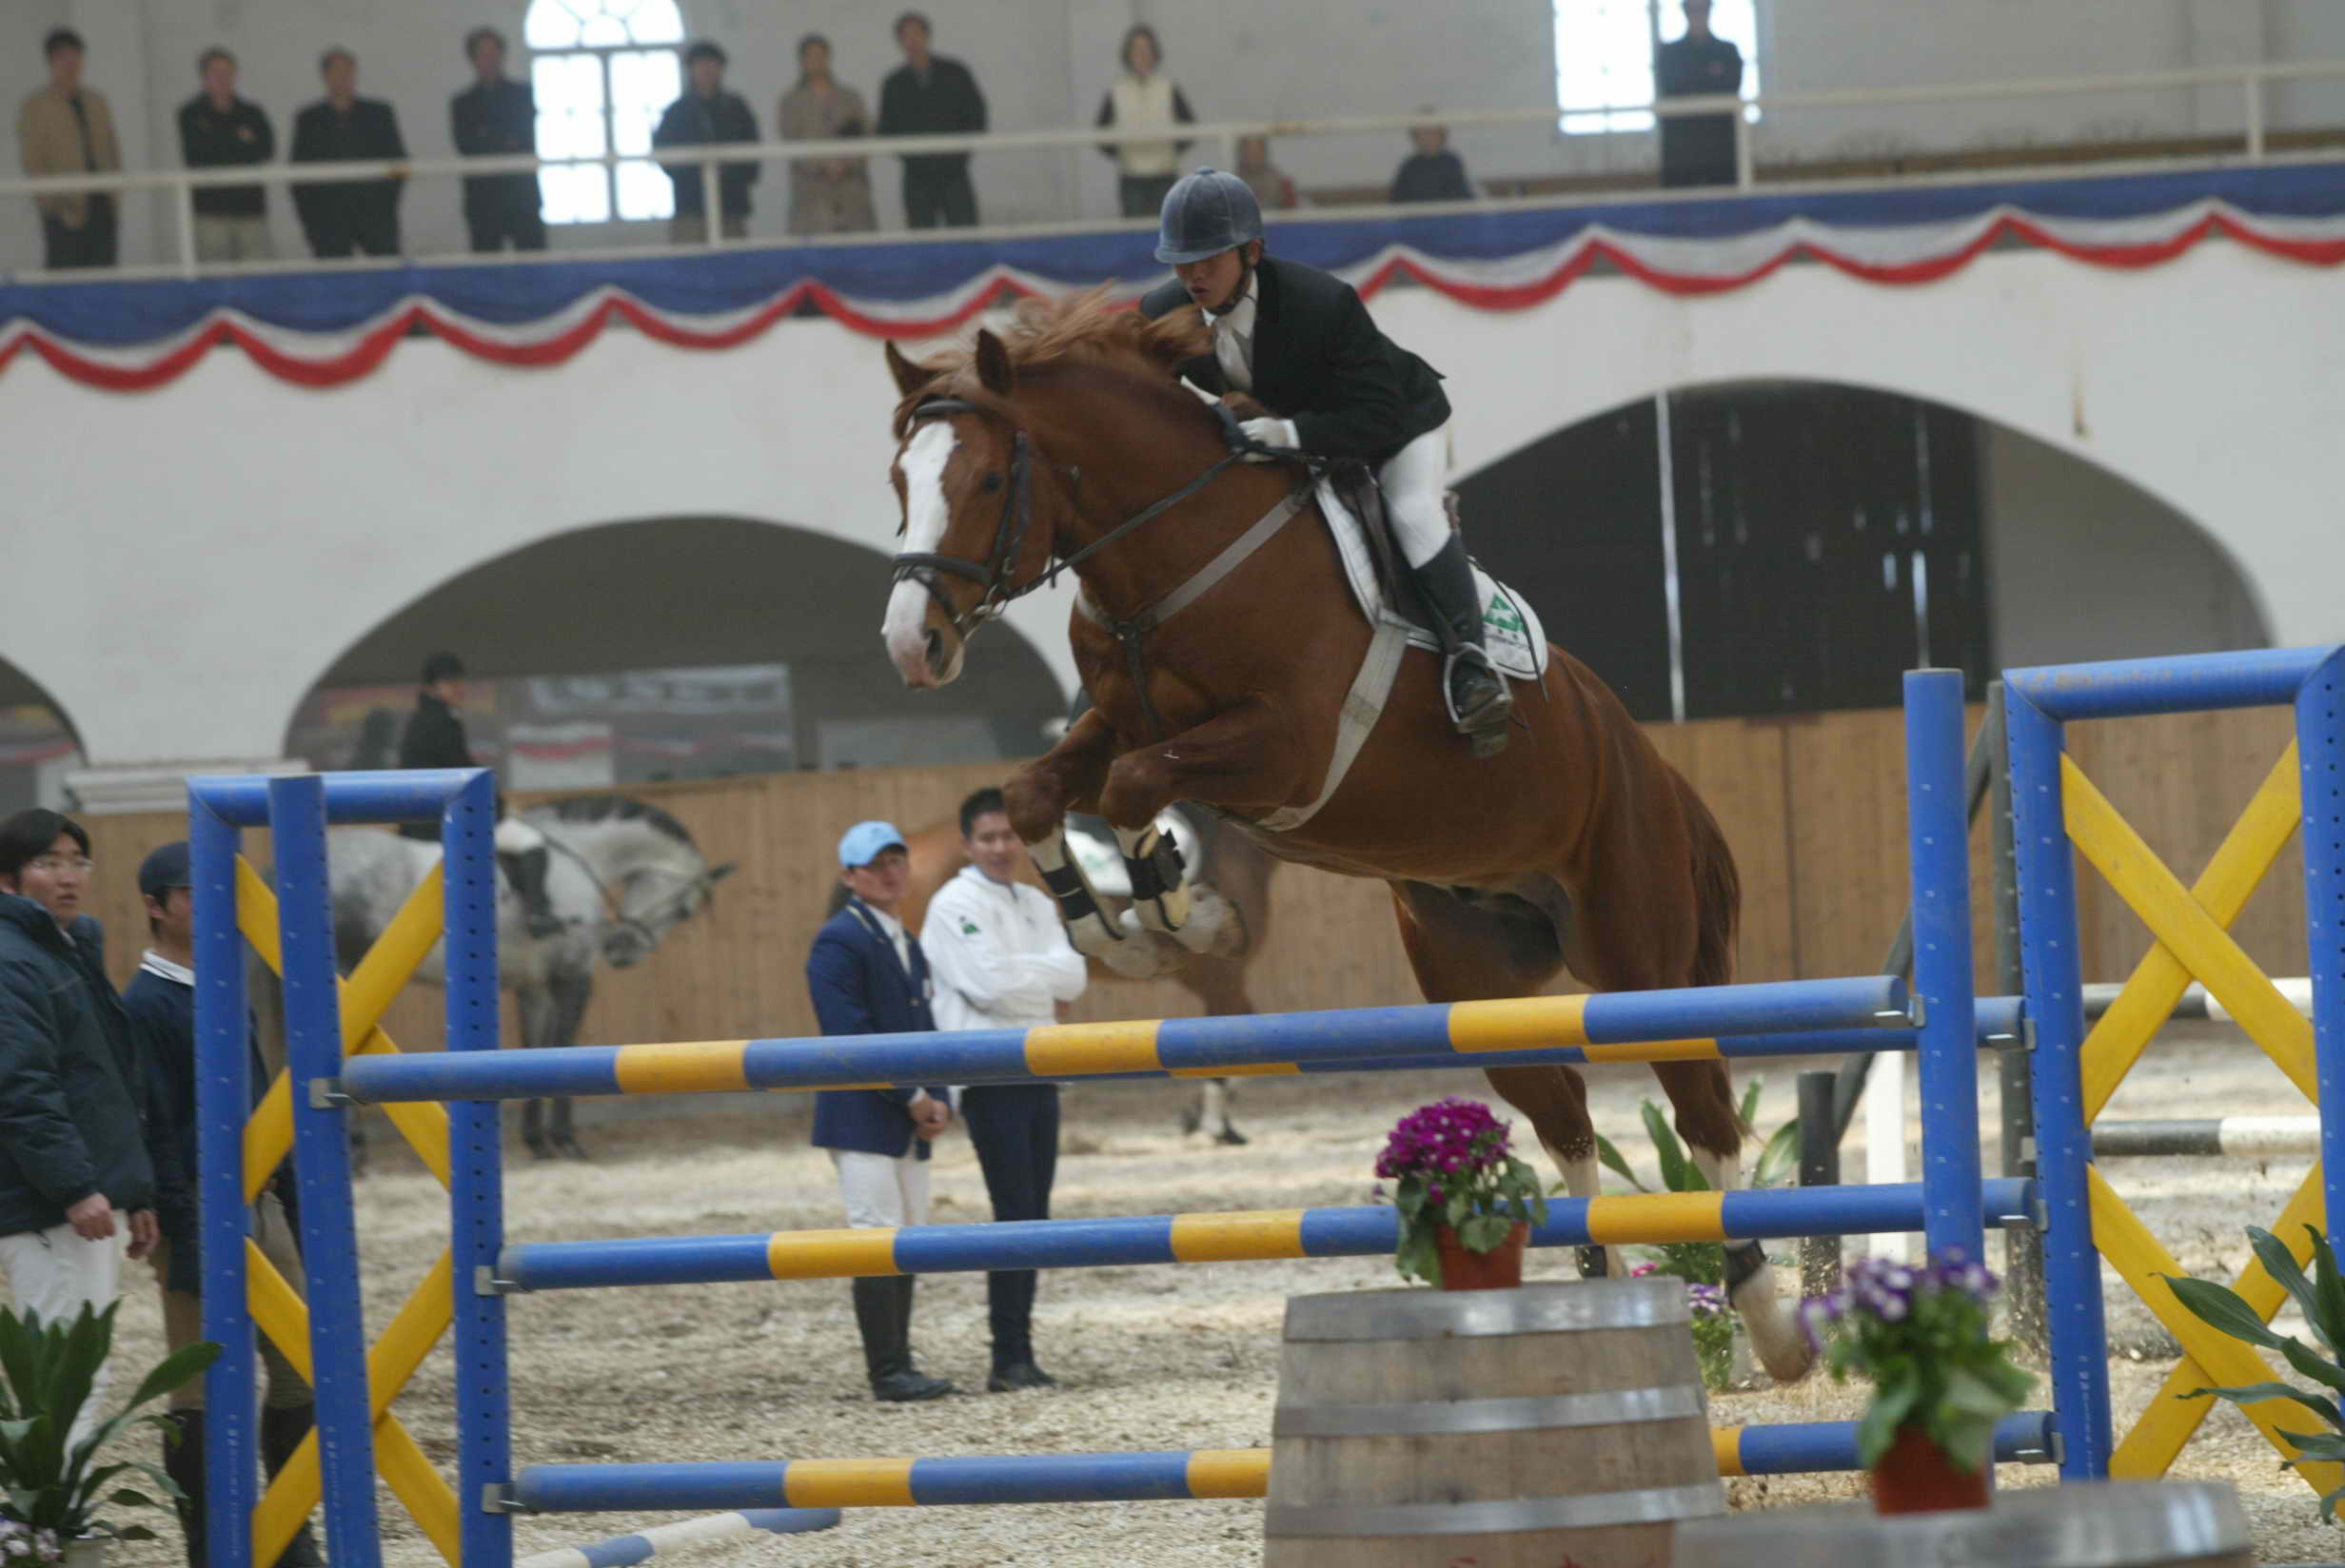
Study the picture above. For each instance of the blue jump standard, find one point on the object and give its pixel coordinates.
(1361, 1232)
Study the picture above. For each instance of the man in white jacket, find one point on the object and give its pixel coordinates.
(1001, 960)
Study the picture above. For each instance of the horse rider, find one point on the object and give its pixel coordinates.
(1300, 342)
(435, 738)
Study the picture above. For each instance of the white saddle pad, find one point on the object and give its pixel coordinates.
(1102, 859)
(1511, 631)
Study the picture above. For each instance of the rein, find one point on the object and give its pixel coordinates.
(639, 925)
(994, 575)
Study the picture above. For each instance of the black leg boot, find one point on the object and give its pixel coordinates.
(526, 871)
(282, 1431)
(913, 1383)
(1480, 704)
(183, 1460)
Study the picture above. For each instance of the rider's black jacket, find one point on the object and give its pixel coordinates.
(1319, 360)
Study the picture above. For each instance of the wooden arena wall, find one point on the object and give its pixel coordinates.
(1813, 806)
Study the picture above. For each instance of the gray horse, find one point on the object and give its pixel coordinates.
(623, 874)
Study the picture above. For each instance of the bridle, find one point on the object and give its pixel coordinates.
(995, 573)
(1130, 632)
(637, 926)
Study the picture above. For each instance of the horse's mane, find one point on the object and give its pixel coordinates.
(1082, 330)
(620, 808)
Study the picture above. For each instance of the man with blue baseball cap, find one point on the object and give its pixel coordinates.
(1299, 340)
(867, 977)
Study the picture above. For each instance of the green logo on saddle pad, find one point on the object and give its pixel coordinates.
(1500, 616)
(969, 927)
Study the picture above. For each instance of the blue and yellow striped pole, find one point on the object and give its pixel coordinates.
(1696, 1023)
(1159, 1477)
(1247, 1236)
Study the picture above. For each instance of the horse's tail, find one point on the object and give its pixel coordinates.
(1718, 892)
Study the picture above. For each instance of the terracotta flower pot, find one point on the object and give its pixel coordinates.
(1501, 1268)
(1918, 1477)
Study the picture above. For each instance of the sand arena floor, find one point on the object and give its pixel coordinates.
(1149, 1356)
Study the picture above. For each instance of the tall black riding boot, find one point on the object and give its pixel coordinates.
(1480, 704)
(526, 871)
(282, 1431)
(183, 1460)
(915, 1383)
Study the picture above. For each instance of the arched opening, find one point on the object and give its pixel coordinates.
(1780, 547)
(675, 648)
(39, 745)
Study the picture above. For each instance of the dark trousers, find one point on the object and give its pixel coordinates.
(491, 229)
(1015, 1129)
(92, 244)
(361, 236)
(1143, 194)
(939, 197)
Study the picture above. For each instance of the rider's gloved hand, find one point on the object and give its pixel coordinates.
(1270, 433)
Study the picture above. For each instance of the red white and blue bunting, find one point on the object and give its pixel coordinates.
(325, 329)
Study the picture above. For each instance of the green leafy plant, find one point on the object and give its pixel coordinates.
(1450, 1166)
(2322, 1299)
(1921, 1334)
(50, 1485)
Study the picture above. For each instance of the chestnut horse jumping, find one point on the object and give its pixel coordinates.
(1068, 443)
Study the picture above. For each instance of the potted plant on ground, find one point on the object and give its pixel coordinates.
(52, 1486)
(1465, 1204)
(2322, 1299)
(1941, 1380)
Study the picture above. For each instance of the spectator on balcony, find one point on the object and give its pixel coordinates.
(1432, 174)
(1698, 149)
(497, 117)
(350, 216)
(67, 128)
(827, 195)
(707, 115)
(1273, 190)
(929, 95)
(217, 129)
(1142, 99)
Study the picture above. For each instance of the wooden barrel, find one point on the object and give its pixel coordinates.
(1506, 1428)
(2114, 1524)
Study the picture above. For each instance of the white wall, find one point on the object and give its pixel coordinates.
(230, 535)
(2082, 565)
(1044, 63)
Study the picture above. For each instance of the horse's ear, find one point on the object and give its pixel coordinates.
(993, 361)
(717, 874)
(910, 376)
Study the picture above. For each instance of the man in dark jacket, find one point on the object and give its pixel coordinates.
(707, 115)
(351, 215)
(1301, 342)
(217, 129)
(493, 118)
(867, 977)
(75, 1171)
(1698, 149)
(929, 95)
(160, 1002)
(436, 738)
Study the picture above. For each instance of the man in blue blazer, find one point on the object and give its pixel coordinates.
(867, 977)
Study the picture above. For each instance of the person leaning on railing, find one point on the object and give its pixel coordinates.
(218, 129)
(703, 116)
(827, 195)
(67, 128)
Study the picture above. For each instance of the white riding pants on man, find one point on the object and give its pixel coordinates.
(882, 1190)
(55, 1273)
(1412, 494)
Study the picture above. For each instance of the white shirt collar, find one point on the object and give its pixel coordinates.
(1240, 316)
(888, 923)
(154, 962)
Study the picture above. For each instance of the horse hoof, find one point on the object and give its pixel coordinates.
(1593, 1264)
(539, 1149)
(1231, 1136)
(570, 1148)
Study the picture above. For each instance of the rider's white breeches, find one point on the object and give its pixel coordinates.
(1413, 488)
(514, 836)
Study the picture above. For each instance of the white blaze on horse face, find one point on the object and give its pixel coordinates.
(926, 516)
